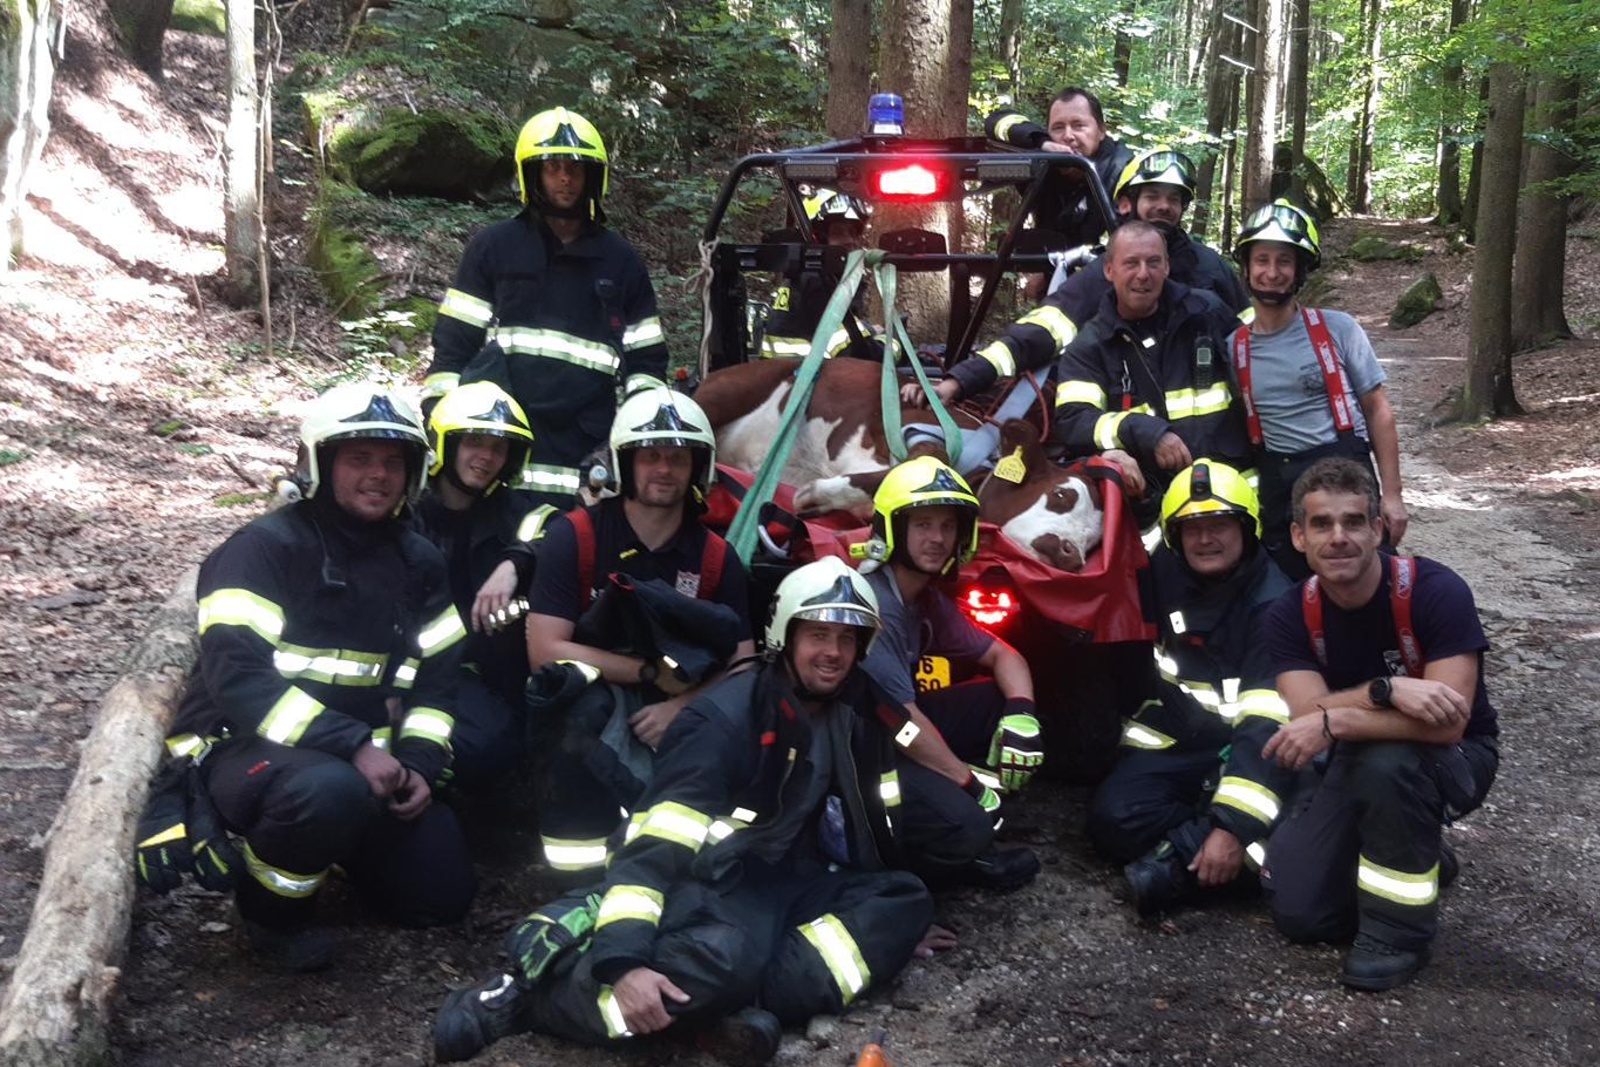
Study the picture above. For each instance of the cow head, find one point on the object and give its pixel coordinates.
(1054, 513)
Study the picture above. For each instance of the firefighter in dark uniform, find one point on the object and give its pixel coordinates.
(1076, 123)
(839, 221)
(1189, 805)
(1380, 662)
(753, 891)
(323, 698)
(1148, 374)
(1156, 187)
(568, 303)
(479, 439)
(664, 455)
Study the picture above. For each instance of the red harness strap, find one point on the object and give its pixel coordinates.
(1402, 583)
(713, 558)
(1327, 359)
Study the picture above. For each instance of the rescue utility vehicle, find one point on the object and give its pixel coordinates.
(1077, 630)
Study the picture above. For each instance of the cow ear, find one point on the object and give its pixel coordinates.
(1018, 433)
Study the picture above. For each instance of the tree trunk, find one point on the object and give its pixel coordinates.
(925, 56)
(1488, 388)
(1358, 184)
(1263, 135)
(1122, 49)
(1012, 13)
(29, 32)
(1448, 199)
(57, 1009)
(1469, 209)
(1537, 314)
(849, 67)
(241, 163)
(1299, 80)
(1221, 76)
(143, 25)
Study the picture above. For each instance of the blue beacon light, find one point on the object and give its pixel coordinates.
(886, 115)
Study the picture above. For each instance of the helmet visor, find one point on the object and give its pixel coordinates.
(849, 614)
(1171, 167)
(1287, 221)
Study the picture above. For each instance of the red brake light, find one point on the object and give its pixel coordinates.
(989, 608)
(912, 182)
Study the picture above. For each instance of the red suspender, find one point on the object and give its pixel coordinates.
(1402, 583)
(583, 528)
(1311, 611)
(1327, 359)
(711, 565)
(1332, 374)
(1241, 369)
(711, 559)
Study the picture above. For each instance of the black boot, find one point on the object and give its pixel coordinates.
(1160, 879)
(1449, 865)
(1000, 870)
(747, 1038)
(472, 1019)
(1373, 966)
(279, 931)
(295, 951)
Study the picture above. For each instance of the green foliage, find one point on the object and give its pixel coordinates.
(200, 16)
(194, 449)
(9, 456)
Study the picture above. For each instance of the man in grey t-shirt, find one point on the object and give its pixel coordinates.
(964, 745)
(1309, 380)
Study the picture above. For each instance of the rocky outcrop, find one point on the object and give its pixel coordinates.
(1417, 302)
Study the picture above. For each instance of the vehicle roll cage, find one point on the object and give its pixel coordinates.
(970, 166)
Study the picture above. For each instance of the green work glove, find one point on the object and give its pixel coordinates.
(215, 858)
(982, 788)
(535, 943)
(1016, 750)
(162, 854)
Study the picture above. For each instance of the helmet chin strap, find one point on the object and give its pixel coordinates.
(1166, 229)
(454, 478)
(579, 211)
(1273, 299)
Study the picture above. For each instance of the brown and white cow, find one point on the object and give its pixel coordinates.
(840, 454)
(1054, 513)
(843, 432)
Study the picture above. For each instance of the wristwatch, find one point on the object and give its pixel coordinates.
(1379, 692)
(648, 672)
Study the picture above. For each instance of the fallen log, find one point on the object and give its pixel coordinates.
(57, 1008)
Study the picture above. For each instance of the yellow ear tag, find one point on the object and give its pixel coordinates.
(1011, 468)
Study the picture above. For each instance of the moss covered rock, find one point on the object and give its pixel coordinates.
(452, 155)
(200, 16)
(350, 274)
(1417, 302)
(1371, 247)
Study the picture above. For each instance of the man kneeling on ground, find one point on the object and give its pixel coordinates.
(1189, 805)
(752, 890)
(1380, 659)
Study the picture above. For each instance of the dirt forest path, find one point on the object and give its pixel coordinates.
(135, 423)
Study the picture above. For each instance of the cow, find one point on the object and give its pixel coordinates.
(1053, 513)
(841, 453)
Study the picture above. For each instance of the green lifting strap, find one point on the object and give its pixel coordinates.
(743, 532)
(887, 278)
